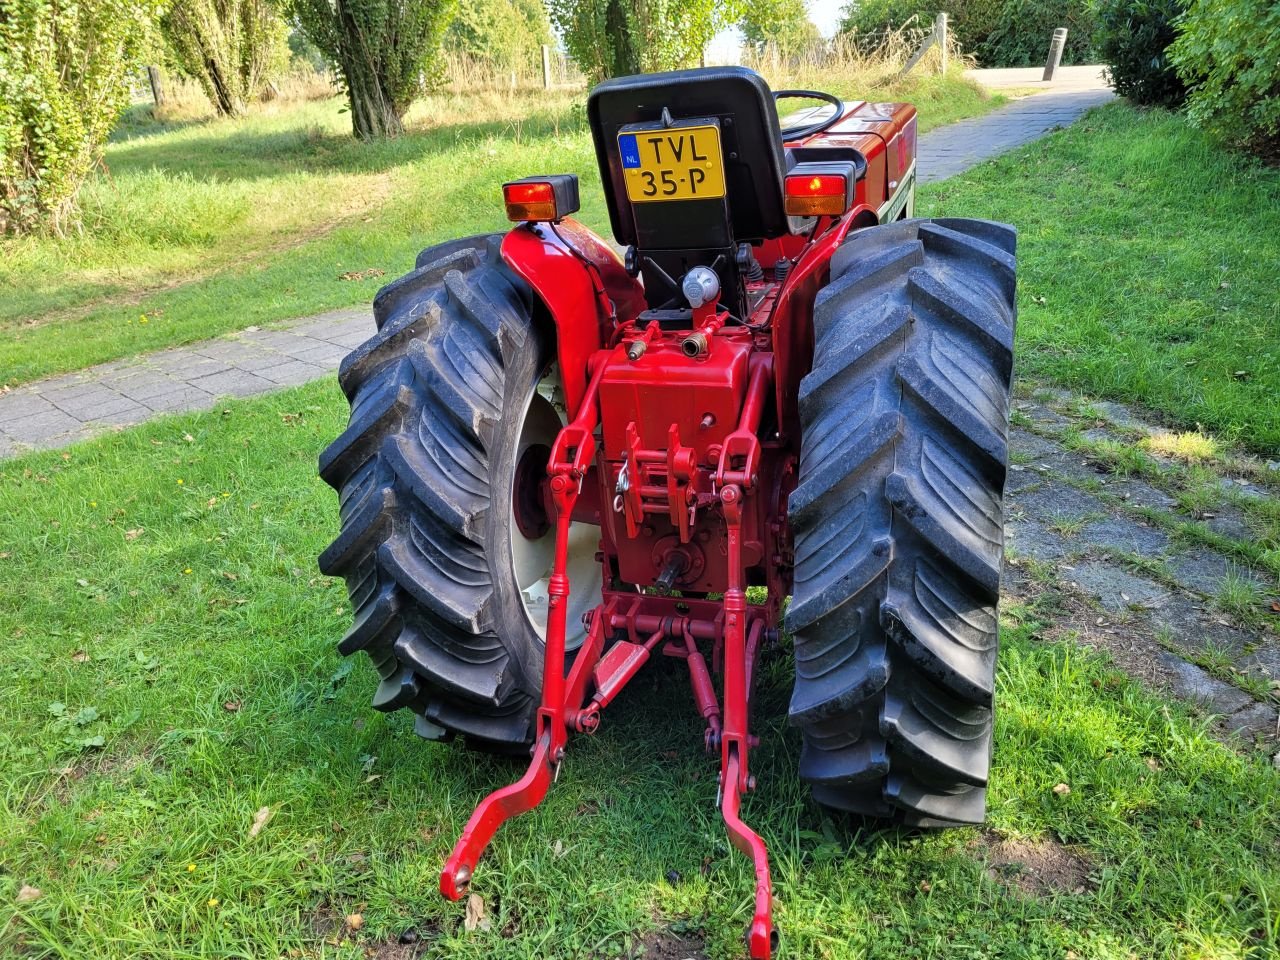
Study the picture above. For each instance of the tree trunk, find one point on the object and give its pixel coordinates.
(373, 116)
(225, 100)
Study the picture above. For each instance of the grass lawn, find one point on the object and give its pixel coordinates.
(193, 229)
(169, 670)
(1149, 267)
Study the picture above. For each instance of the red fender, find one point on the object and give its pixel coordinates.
(584, 287)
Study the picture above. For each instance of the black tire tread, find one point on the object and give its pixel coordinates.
(412, 474)
(898, 519)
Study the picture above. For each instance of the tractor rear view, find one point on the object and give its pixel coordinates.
(563, 463)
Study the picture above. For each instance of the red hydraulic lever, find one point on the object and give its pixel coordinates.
(570, 459)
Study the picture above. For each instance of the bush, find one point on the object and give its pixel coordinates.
(1227, 54)
(502, 35)
(63, 82)
(1133, 38)
(998, 33)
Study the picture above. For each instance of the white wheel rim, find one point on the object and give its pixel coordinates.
(532, 558)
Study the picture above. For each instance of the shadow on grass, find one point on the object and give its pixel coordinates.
(264, 148)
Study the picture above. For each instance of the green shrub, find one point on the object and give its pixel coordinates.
(504, 35)
(1228, 54)
(64, 78)
(999, 33)
(614, 38)
(1133, 38)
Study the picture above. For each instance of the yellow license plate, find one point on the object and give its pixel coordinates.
(682, 163)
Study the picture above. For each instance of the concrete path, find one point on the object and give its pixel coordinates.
(62, 410)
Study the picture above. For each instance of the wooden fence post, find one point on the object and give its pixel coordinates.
(940, 36)
(157, 91)
(546, 66)
(1055, 53)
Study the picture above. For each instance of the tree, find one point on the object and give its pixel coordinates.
(612, 38)
(505, 35)
(385, 52)
(229, 47)
(64, 79)
(783, 23)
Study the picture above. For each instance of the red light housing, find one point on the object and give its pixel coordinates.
(819, 189)
(541, 199)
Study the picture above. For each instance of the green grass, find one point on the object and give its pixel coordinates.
(193, 229)
(1149, 259)
(139, 607)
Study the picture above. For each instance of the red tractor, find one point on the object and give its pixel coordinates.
(562, 461)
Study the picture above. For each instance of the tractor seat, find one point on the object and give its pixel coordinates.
(741, 104)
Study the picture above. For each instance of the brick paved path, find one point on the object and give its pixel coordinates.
(952, 149)
(61, 410)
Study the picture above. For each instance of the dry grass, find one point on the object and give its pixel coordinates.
(866, 62)
(185, 101)
(467, 75)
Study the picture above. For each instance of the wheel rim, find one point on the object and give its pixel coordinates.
(533, 539)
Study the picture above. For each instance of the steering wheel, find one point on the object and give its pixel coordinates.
(808, 130)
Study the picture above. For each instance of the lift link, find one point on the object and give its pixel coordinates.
(736, 632)
(569, 462)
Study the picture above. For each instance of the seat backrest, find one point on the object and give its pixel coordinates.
(735, 98)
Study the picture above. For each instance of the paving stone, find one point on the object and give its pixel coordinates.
(122, 418)
(150, 384)
(189, 365)
(1033, 539)
(92, 406)
(1020, 478)
(1116, 589)
(1264, 660)
(265, 357)
(1138, 493)
(1195, 683)
(293, 372)
(324, 354)
(1229, 522)
(18, 405)
(1044, 418)
(231, 351)
(41, 427)
(1031, 445)
(1119, 414)
(1203, 570)
(1125, 535)
(1056, 502)
(62, 388)
(234, 383)
(1256, 720)
(184, 398)
(1189, 624)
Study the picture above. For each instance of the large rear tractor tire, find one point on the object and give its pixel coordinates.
(444, 543)
(898, 519)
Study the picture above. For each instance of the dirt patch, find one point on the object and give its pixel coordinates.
(668, 945)
(393, 950)
(1037, 868)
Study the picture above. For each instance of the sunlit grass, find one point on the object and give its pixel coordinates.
(216, 692)
(1191, 446)
(1133, 283)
